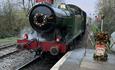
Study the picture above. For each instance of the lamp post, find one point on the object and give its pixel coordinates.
(102, 21)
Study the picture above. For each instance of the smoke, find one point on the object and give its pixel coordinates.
(32, 34)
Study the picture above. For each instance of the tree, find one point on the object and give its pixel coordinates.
(107, 8)
(13, 19)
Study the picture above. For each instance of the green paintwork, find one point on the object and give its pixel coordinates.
(69, 21)
(75, 27)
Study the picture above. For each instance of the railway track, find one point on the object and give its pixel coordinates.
(40, 63)
(24, 65)
(7, 49)
(6, 45)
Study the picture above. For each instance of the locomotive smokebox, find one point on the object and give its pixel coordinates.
(42, 18)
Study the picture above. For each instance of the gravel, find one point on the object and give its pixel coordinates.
(14, 61)
(7, 50)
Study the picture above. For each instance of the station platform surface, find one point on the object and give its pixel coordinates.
(82, 59)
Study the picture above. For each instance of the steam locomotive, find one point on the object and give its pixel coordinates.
(59, 26)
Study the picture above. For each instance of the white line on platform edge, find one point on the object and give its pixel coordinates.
(60, 62)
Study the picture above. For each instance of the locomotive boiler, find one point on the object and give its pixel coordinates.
(60, 26)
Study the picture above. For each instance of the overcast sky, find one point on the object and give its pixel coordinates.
(87, 5)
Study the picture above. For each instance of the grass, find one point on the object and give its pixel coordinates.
(8, 40)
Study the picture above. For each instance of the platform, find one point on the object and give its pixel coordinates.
(78, 60)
